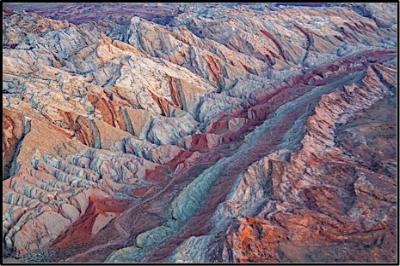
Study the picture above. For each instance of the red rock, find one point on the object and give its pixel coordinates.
(81, 230)
(240, 133)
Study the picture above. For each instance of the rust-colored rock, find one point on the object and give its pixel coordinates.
(200, 133)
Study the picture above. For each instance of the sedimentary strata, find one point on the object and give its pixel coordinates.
(204, 133)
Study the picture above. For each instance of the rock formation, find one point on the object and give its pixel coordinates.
(199, 133)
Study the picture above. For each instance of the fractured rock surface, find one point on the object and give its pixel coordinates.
(199, 133)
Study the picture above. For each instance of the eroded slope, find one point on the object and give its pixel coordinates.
(224, 134)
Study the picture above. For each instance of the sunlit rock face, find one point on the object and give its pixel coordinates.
(236, 133)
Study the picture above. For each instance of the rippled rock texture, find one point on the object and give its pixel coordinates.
(199, 133)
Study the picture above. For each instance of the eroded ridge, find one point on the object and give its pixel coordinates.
(200, 134)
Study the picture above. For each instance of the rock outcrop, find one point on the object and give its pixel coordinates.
(199, 133)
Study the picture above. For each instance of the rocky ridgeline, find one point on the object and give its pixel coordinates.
(237, 133)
